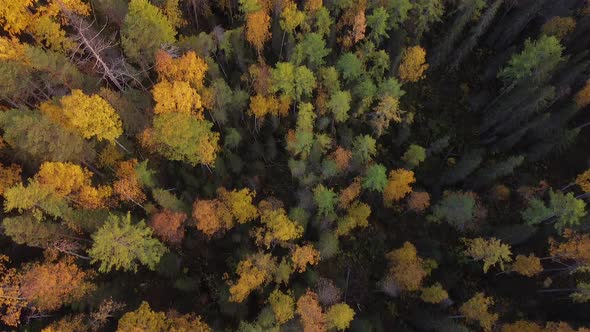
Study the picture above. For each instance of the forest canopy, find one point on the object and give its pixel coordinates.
(294, 165)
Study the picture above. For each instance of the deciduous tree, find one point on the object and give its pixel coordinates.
(413, 64)
(490, 251)
(478, 309)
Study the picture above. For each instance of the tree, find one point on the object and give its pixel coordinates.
(339, 316)
(188, 68)
(456, 208)
(183, 137)
(11, 303)
(537, 59)
(339, 105)
(575, 248)
(177, 96)
(90, 116)
(398, 186)
(490, 251)
(418, 201)
(50, 285)
(528, 266)
(121, 245)
(424, 13)
(583, 181)
(386, 111)
(414, 155)
(144, 31)
(239, 203)
(565, 208)
(325, 199)
(168, 226)
(363, 149)
(434, 294)
(278, 228)
(313, 318)
(413, 64)
(253, 272)
(258, 29)
(206, 213)
(36, 138)
(406, 269)
(377, 23)
(375, 178)
(304, 255)
(127, 186)
(349, 66)
(521, 325)
(311, 50)
(283, 306)
(559, 27)
(142, 319)
(9, 176)
(357, 216)
(477, 309)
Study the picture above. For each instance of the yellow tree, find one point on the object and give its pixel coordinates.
(406, 269)
(303, 256)
(528, 266)
(90, 116)
(278, 228)
(398, 186)
(177, 96)
(477, 309)
(490, 251)
(583, 181)
(253, 273)
(357, 216)
(413, 64)
(339, 316)
(258, 29)
(127, 185)
(283, 306)
(187, 68)
(11, 301)
(434, 294)
(9, 176)
(239, 203)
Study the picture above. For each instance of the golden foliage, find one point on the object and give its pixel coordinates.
(339, 316)
(277, 228)
(188, 68)
(50, 285)
(9, 176)
(583, 181)
(258, 29)
(312, 317)
(406, 268)
(283, 306)
(304, 255)
(11, 300)
(177, 96)
(239, 203)
(88, 115)
(576, 247)
(559, 27)
(521, 326)
(357, 216)
(253, 272)
(477, 309)
(15, 15)
(313, 5)
(205, 212)
(127, 185)
(434, 294)
(413, 64)
(173, 13)
(260, 106)
(398, 186)
(528, 266)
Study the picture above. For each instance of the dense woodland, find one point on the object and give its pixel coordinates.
(282, 165)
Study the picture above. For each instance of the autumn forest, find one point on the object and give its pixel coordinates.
(294, 165)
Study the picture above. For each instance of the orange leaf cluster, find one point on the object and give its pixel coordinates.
(169, 226)
(582, 98)
(304, 255)
(342, 158)
(188, 68)
(398, 186)
(575, 248)
(406, 268)
(312, 317)
(9, 176)
(127, 186)
(349, 194)
(258, 29)
(418, 201)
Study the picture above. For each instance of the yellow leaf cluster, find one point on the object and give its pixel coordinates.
(15, 15)
(406, 268)
(413, 64)
(477, 309)
(90, 116)
(357, 216)
(277, 228)
(398, 186)
(258, 29)
(222, 213)
(283, 306)
(177, 96)
(253, 273)
(528, 266)
(9, 176)
(304, 255)
(188, 68)
(239, 203)
(260, 106)
(339, 316)
(434, 294)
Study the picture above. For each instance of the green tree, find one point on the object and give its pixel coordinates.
(375, 178)
(121, 245)
(377, 23)
(310, 51)
(144, 31)
(325, 199)
(567, 210)
(538, 58)
(363, 149)
(457, 209)
(349, 66)
(339, 105)
(414, 155)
